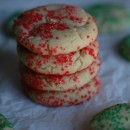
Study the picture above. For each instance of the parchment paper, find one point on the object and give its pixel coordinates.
(27, 115)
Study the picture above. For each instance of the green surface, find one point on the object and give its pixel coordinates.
(113, 118)
(5, 124)
(110, 18)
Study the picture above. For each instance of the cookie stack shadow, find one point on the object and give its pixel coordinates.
(59, 55)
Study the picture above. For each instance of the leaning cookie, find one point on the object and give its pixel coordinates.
(52, 29)
(5, 124)
(114, 118)
(60, 64)
(59, 82)
(69, 97)
(110, 18)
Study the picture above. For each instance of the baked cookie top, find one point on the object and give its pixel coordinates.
(55, 29)
(59, 82)
(65, 98)
(64, 64)
(114, 118)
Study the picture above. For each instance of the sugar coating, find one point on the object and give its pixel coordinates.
(5, 124)
(59, 82)
(69, 97)
(52, 29)
(60, 64)
(114, 118)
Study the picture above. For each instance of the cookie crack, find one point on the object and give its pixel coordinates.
(78, 33)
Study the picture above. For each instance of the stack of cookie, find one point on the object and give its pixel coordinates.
(58, 54)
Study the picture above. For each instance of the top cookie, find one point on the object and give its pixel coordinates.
(114, 118)
(55, 29)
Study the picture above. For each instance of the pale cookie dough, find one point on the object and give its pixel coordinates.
(70, 97)
(110, 18)
(60, 64)
(59, 82)
(5, 124)
(55, 29)
(114, 118)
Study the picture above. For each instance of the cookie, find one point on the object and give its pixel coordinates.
(59, 82)
(52, 29)
(60, 64)
(69, 97)
(124, 48)
(5, 124)
(8, 26)
(110, 18)
(114, 118)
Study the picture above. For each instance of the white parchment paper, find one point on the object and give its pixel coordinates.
(27, 115)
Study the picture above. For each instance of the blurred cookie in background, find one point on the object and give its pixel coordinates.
(8, 24)
(116, 117)
(124, 48)
(5, 124)
(110, 18)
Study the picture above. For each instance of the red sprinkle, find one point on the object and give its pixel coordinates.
(62, 59)
(28, 19)
(57, 38)
(75, 79)
(88, 36)
(38, 63)
(45, 30)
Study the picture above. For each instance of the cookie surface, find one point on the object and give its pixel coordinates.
(125, 48)
(114, 118)
(61, 64)
(52, 29)
(70, 97)
(5, 124)
(110, 18)
(59, 82)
